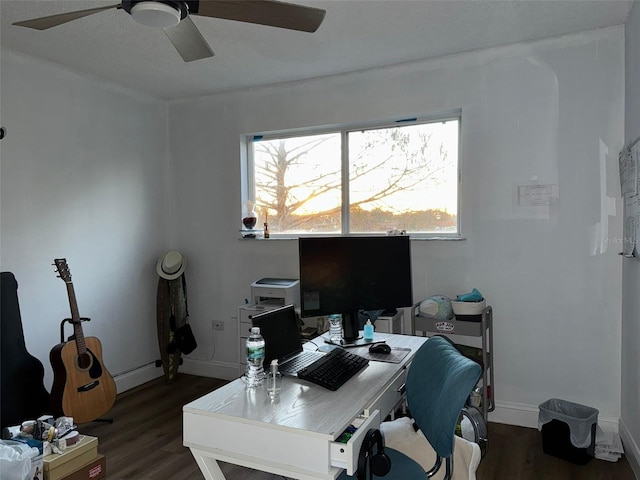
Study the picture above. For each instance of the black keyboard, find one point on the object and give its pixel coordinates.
(334, 369)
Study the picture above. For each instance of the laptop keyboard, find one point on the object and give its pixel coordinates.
(334, 369)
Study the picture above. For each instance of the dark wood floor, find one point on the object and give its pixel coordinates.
(145, 442)
(516, 453)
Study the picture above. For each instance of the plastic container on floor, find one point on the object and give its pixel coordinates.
(568, 430)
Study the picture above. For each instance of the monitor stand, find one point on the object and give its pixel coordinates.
(352, 335)
(350, 326)
(358, 342)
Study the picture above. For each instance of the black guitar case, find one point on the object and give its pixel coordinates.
(22, 392)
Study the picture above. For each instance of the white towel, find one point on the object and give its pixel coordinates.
(400, 435)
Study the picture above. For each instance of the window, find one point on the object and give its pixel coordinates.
(392, 177)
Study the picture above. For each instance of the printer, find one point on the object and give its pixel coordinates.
(276, 291)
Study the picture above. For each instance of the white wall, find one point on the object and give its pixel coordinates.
(630, 415)
(552, 110)
(82, 177)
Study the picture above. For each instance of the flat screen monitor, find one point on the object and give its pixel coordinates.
(350, 274)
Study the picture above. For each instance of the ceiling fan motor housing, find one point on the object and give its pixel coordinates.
(187, 39)
(183, 8)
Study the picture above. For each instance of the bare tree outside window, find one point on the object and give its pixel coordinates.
(401, 177)
(297, 182)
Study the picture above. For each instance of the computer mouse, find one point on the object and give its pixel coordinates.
(380, 348)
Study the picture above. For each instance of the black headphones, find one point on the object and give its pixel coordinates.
(379, 463)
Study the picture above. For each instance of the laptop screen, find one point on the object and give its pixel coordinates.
(281, 333)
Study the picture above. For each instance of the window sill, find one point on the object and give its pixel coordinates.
(413, 237)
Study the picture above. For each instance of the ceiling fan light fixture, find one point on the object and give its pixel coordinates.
(155, 14)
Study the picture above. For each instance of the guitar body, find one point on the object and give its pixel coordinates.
(82, 386)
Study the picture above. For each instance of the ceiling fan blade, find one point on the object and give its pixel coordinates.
(188, 41)
(44, 23)
(264, 12)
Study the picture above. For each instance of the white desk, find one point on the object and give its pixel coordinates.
(294, 436)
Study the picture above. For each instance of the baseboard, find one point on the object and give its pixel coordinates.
(518, 414)
(523, 415)
(138, 376)
(631, 449)
(225, 371)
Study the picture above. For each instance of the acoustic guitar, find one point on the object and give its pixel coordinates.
(82, 386)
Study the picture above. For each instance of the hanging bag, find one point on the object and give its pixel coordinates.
(183, 338)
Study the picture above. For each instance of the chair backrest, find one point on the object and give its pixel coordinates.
(439, 382)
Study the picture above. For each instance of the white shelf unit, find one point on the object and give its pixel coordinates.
(483, 329)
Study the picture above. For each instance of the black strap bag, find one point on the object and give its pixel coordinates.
(183, 338)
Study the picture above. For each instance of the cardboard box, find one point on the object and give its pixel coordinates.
(94, 470)
(57, 466)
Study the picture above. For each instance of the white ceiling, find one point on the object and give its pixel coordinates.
(355, 35)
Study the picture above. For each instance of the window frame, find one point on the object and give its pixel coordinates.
(248, 166)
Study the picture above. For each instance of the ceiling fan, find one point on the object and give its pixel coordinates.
(174, 18)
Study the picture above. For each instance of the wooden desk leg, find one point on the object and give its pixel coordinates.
(208, 466)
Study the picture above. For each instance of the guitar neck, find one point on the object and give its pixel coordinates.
(75, 318)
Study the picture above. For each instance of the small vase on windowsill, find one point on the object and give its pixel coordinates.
(250, 217)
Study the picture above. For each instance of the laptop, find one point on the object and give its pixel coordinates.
(283, 341)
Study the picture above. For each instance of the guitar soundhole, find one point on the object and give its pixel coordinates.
(84, 361)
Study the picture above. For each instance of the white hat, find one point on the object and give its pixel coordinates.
(171, 265)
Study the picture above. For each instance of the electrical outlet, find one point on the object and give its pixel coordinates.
(218, 324)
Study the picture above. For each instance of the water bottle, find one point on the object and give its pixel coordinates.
(255, 357)
(335, 328)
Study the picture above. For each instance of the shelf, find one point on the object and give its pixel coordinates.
(482, 329)
(253, 233)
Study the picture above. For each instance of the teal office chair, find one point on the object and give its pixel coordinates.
(439, 381)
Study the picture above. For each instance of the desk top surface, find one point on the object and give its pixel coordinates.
(305, 406)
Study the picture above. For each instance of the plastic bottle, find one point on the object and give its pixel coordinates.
(255, 357)
(335, 328)
(368, 330)
(274, 380)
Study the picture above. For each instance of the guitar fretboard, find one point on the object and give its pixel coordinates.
(75, 317)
